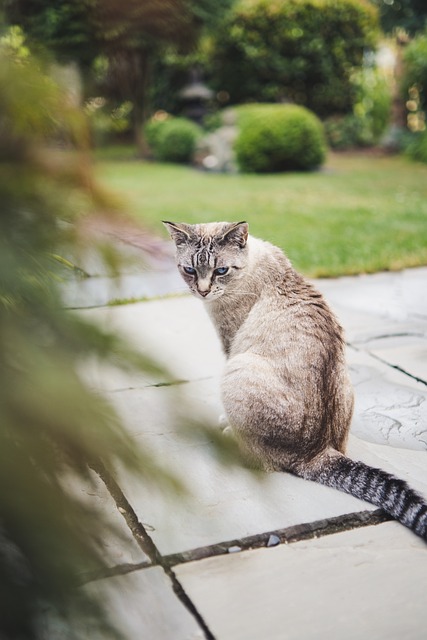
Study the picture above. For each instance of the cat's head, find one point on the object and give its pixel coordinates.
(211, 256)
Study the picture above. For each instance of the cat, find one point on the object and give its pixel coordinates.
(285, 389)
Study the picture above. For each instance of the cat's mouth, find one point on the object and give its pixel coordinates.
(208, 295)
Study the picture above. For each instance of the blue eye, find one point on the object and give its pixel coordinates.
(189, 270)
(221, 271)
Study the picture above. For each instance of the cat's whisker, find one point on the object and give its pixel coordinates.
(241, 293)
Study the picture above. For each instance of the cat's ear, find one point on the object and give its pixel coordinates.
(237, 233)
(179, 232)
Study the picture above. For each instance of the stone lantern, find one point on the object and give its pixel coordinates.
(195, 96)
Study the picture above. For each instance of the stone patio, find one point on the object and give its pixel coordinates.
(247, 556)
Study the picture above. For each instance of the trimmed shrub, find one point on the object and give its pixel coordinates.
(152, 131)
(173, 139)
(304, 51)
(278, 138)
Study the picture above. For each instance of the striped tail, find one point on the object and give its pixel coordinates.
(380, 488)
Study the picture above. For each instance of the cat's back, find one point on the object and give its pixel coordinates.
(289, 313)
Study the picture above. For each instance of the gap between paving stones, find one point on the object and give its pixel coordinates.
(395, 366)
(386, 362)
(121, 302)
(287, 535)
(147, 545)
(383, 336)
(159, 385)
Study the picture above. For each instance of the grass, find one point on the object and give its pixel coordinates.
(362, 213)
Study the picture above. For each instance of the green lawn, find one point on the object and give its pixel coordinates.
(361, 213)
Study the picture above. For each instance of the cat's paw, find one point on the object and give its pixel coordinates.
(223, 421)
(224, 426)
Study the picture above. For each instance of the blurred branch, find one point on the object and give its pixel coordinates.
(51, 424)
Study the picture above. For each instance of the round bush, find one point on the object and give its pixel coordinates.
(173, 139)
(278, 138)
(152, 131)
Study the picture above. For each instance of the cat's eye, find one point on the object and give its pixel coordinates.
(221, 271)
(189, 270)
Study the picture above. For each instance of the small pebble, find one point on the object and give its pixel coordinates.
(234, 549)
(273, 541)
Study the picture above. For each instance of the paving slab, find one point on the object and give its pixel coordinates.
(142, 604)
(147, 269)
(101, 290)
(407, 352)
(366, 583)
(390, 407)
(396, 296)
(379, 304)
(369, 582)
(228, 503)
(119, 545)
(176, 331)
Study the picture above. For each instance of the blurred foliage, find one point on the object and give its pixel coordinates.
(52, 427)
(128, 35)
(108, 120)
(397, 15)
(12, 43)
(414, 81)
(173, 139)
(370, 116)
(416, 146)
(170, 74)
(278, 138)
(153, 129)
(304, 51)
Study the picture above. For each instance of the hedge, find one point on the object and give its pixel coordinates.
(173, 139)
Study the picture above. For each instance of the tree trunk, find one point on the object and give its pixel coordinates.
(139, 118)
(129, 80)
(398, 108)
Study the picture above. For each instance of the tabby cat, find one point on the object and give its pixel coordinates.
(286, 389)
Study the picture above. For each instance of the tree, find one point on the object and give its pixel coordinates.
(409, 15)
(414, 81)
(129, 33)
(302, 51)
(403, 19)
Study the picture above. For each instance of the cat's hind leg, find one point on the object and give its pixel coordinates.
(264, 413)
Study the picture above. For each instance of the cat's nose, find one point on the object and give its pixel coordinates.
(203, 293)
